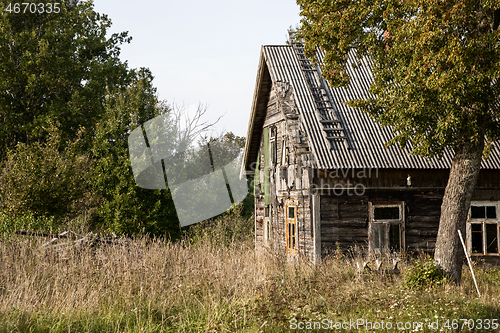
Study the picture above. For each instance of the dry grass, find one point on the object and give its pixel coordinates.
(153, 286)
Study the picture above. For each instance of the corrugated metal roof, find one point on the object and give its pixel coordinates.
(365, 138)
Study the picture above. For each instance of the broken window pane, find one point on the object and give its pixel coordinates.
(477, 212)
(377, 237)
(491, 238)
(491, 212)
(477, 238)
(394, 237)
(386, 213)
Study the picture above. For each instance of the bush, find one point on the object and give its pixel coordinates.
(424, 272)
(44, 179)
(28, 222)
(228, 229)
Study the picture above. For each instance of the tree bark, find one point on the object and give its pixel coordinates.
(449, 254)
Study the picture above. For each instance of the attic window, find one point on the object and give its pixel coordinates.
(272, 145)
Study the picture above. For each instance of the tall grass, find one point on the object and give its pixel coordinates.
(218, 283)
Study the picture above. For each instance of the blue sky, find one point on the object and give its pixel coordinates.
(202, 51)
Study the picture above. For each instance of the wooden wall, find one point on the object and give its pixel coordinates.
(397, 178)
(344, 219)
(289, 179)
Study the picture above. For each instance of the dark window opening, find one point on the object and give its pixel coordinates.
(477, 238)
(394, 237)
(491, 238)
(484, 231)
(386, 213)
(291, 212)
(273, 152)
(477, 212)
(481, 212)
(491, 212)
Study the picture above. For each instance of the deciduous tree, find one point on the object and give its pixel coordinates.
(54, 68)
(436, 66)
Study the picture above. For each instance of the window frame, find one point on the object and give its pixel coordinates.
(267, 231)
(291, 237)
(483, 222)
(385, 224)
(273, 149)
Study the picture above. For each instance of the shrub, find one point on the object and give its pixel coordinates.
(44, 179)
(27, 222)
(232, 227)
(424, 272)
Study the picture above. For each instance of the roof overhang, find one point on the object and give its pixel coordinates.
(263, 88)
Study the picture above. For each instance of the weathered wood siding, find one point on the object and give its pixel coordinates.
(344, 222)
(289, 179)
(344, 219)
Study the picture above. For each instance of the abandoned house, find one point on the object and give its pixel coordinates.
(324, 180)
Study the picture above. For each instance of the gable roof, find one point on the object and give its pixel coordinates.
(365, 138)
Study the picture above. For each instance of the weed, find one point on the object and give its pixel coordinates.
(424, 272)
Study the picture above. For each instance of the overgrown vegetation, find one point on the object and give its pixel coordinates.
(68, 104)
(44, 179)
(424, 272)
(215, 282)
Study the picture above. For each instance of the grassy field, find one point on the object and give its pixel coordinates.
(218, 283)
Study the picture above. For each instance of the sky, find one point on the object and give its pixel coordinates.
(202, 52)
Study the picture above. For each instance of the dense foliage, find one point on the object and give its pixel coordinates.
(435, 64)
(67, 105)
(423, 273)
(46, 180)
(125, 207)
(55, 68)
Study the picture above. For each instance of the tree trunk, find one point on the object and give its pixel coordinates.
(449, 254)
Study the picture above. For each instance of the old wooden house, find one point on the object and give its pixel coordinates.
(324, 180)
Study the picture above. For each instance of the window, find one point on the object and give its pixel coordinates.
(386, 228)
(267, 231)
(291, 229)
(284, 153)
(267, 225)
(483, 228)
(272, 144)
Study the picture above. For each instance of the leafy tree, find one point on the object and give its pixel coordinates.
(436, 66)
(54, 68)
(126, 208)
